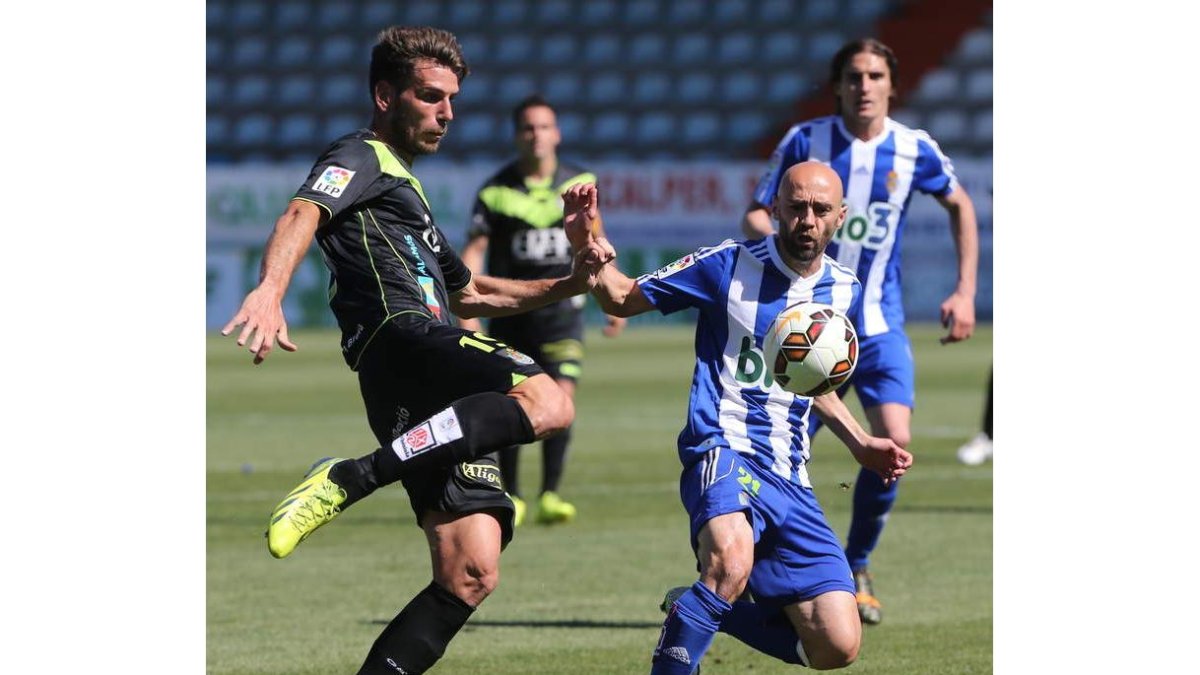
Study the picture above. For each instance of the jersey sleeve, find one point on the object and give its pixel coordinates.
(791, 150)
(692, 281)
(933, 173)
(454, 272)
(341, 176)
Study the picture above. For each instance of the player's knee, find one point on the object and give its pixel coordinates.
(729, 576)
(549, 408)
(836, 653)
(474, 583)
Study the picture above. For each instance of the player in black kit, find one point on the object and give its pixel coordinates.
(517, 225)
(438, 397)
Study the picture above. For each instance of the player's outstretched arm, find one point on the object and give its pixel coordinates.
(496, 296)
(756, 222)
(472, 256)
(618, 295)
(261, 313)
(958, 310)
(880, 455)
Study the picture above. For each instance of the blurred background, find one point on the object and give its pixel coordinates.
(674, 104)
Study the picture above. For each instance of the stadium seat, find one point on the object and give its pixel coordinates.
(742, 128)
(948, 126)
(466, 13)
(571, 125)
(338, 52)
(602, 49)
(559, 49)
(419, 13)
(691, 48)
(253, 130)
(340, 124)
(295, 52)
(555, 12)
(866, 10)
(778, 13)
(475, 91)
(820, 13)
(727, 12)
(513, 49)
(476, 129)
(562, 89)
(654, 129)
(513, 88)
(290, 16)
(695, 87)
(737, 48)
(975, 48)
(609, 127)
(937, 86)
(216, 15)
(981, 129)
(608, 87)
(783, 47)
(215, 87)
(216, 129)
(646, 48)
(682, 13)
(823, 46)
(978, 89)
(343, 90)
(509, 12)
(740, 87)
(475, 46)
(300, 90)
(332, 16)
(214, 52)
(651, 88)
(642, 14)
(701, 129)
(909, 117)
(250, 91)
(248, 16)
(598, 13)
(786, 87)
(297, 129)
(249, 53)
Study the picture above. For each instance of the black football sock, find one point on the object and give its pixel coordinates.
(987, 411)
(554, 457)
(470, 428)
(418, 636)
(508, 469)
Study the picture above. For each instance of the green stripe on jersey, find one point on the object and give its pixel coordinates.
(392, 166)
(540, 206)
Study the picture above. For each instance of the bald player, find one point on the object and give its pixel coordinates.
(755, 522)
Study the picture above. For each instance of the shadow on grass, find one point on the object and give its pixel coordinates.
(943, 509)
(563, 623)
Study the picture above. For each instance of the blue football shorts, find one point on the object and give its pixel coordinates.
(796, 554)
(884, 373)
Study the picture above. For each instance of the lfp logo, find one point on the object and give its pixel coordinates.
(334, 181)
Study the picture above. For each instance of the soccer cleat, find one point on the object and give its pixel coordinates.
(316, 501)
(518, 510)
(976, 451)
(869, 609)
(552, 509)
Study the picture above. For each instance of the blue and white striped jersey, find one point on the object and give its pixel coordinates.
(739, 288)
(879, 177)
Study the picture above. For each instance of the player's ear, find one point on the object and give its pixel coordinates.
(842, 211)
(384, 91)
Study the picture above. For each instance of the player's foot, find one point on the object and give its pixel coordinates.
(976, 451)
(552, 509)
(670, 598)
(869, 609)
(518, 510)
(316, 501)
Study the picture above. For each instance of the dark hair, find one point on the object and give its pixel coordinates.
(531, 101)
(871, 46)
(398, 48)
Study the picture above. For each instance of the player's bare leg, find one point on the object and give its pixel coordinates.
(829, 631)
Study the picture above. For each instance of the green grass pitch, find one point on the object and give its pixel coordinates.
(581, 597)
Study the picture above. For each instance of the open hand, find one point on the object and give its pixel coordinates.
(260, 316)
(580, 213)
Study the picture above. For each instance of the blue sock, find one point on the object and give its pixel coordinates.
(688, 631)
(769, 632)
(872, 502)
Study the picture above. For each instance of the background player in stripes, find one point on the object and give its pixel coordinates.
(881, 163)
(517, 227)
(754, 519)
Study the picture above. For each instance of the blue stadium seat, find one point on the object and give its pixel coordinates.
(216, 129)
(291, 15)
(823, 46)
(477, 129)
(300, 90)
(297, 129)
(786, 87)
(562, 88)
(248, 16)
(216, 15)
(335, 16)
(415, 13)
(250, 91)
(783, 47)
(696, 87)
(701, 128)
(610, 127)
(295, 51)
(513, 48)
(571, 126)
(555, 12)
(475, 46)
(647, 48)
(514, 88)
(215, 88)
(476, 90)
(741, 87)
(686, 12)
(651, 88)
(607, 87)
(981, 127)
(339, 51)
(214, 52)
(737, 47)
(598, 13)
(778, 13)
(558, 50)
(509, 12)
(743, 128)
(909, 117)
(866, 11)
(655, 128)
(602, 49)
(975, 48)
(947, 126)
(343, 90)
(253, 130)
(731, 11)
(642, 14)
(691, 48)
(937, 86)
(249, 53)
(466, 13)
(340, 124)
(820, 13)
(978, 88)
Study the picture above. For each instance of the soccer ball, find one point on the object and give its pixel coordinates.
(811, 349)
